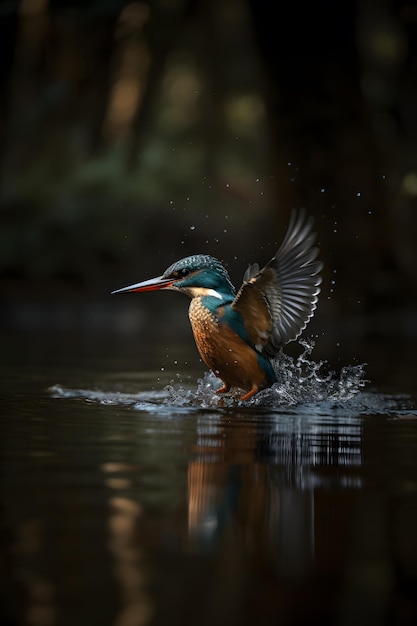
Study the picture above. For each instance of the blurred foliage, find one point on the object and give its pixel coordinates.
(116, 118)
(132, 130)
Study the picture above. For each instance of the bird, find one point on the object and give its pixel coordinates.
(237, 333)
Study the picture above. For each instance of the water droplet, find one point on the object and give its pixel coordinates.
(358, 195)
(322, 190)
(192, 227)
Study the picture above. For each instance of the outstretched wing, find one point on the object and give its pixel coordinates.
(277, 302)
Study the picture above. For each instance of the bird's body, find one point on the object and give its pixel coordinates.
(236, 334)
(222, 341)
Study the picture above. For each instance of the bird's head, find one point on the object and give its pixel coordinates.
(197, 275)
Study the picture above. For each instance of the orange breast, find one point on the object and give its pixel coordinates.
(223, 351)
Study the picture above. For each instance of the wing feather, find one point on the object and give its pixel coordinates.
(278, 301)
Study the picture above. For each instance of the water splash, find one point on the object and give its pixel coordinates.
(301, 380)
(305, 388)
(155, 404)
(142, 401)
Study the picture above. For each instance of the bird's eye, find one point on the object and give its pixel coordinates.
(183, 272)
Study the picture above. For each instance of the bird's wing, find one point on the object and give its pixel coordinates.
(277, 302)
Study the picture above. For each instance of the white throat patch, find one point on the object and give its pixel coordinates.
(196, 292)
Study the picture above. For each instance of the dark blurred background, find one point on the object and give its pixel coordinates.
(136, 133)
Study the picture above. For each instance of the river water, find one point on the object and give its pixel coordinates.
(132, 497)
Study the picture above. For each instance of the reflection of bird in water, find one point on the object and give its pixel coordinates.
(236, 334)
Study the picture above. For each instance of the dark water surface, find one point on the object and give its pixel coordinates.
(133, 499)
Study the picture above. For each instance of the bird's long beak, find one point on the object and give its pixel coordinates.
(153, 284)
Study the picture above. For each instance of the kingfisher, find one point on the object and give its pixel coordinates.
(238, 333)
